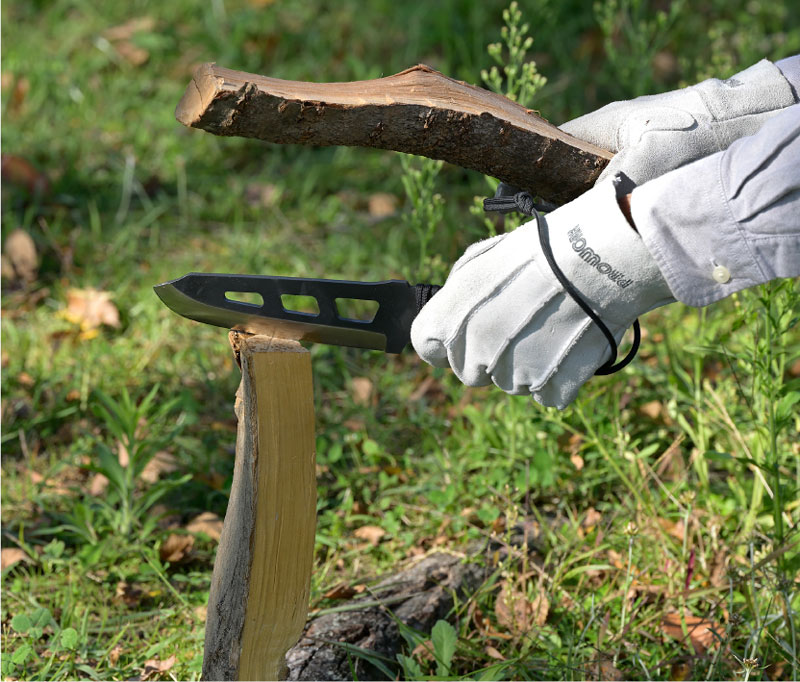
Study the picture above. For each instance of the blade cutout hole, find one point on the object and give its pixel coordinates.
(247, 297)
(294, 303)
(358, 309)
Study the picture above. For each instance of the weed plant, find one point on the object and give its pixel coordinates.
(662, 507)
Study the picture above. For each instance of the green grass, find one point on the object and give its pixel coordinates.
(688, 457)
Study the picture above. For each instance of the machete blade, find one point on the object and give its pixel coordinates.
(210, 298)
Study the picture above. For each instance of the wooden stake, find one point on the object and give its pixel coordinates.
(419, 111)
(260, 586)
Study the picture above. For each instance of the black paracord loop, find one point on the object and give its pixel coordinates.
(424, 293)
(525, 204)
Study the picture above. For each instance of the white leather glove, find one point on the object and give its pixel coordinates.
(657, 133)
(503, 316)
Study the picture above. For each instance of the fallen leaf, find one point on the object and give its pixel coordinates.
(354, 424)
(540, 608)
(90, 308)
(774, 671)
(176, 548)
(114, 654)
(18, 171)
(606, 670)
(213, 479)
(382, 204)
(21, 88)
(518, 614)
(592, 518)
(155, 667)
(98, 485)
(371, 534)
(20, 252)
(652, 409)
(122, 455)
(494, 653)
(340, 591)
(423, 651)
(25, 380)
(680, 671)
(132, 53)
(130, 595)
(208, 523)
(12, 555)
(261, 195)
(162, 463)
(702, 632)
(127, 30)
(361, 388)
(676, 529)
(577, 461)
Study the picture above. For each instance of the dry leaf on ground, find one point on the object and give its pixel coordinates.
(652, 409)
(516, 612)
(361, 390)
(208, 523)
(122, 38)
(702, 632)
(20, 255)
(176, 548)
(12, 555)
(162, 462)
(22, 173)
(90, 308)
(98, 485)
(154, 666)
(382, 204)
(371, 534)
(129, 28)
(606, 670)
(260, 194)
(114, 654)
(592, 519)
(680, 671)
(494, 653)
(130, 595)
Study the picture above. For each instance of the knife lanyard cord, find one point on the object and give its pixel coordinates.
(524, 203)
(424, 293)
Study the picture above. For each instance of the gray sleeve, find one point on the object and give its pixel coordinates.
(728, 221)
(790, 68)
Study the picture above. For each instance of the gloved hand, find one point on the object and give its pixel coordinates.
(503, 317)
(657, 133)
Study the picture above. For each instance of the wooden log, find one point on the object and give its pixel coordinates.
(417, 596)
(260, 586)
(419, 111)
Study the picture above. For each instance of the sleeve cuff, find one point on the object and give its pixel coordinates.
(689, 230)
(790, 68)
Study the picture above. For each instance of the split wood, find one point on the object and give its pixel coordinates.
(260, 586)
(419, 111)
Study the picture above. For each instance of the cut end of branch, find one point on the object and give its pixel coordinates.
(204, 86)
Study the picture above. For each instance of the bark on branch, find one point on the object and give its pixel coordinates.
(418, 111)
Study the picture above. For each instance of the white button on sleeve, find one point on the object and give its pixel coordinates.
(721, 274)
